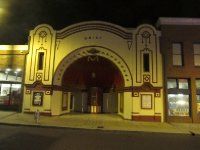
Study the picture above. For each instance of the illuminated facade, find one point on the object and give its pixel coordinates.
(99, 67)
(95, 67)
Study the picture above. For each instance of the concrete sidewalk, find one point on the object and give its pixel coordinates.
(99, 121)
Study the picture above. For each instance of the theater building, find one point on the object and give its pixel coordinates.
(95, 67)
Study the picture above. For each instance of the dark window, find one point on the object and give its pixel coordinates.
(40, 60)
(146, 62)
(71, 102)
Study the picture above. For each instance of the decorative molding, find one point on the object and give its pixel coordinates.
(146, 41)
(38, 76)
(28, 91)
(42, 36)
(157, 94)
(92, 38)
(146, 78)
(135, 94)
(129, 44)
(93, 51)
(94, 25)
(147, 87)
(38, 86)
(48, 92)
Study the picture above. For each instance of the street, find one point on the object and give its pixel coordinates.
(32, 138)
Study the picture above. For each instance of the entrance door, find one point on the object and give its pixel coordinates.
(95, 100)
(110, 103)
(80, 102)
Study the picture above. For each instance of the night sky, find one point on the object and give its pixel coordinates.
(17, 17)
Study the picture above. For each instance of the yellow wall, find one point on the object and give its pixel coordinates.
(124, 47)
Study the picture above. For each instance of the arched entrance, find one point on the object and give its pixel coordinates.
(115, 77)
(94, 82)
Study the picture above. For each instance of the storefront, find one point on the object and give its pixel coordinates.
(11, 76)
(181, 53)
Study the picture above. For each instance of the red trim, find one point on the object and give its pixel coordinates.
(147, 118)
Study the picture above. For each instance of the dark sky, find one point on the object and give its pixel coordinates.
(17, 17)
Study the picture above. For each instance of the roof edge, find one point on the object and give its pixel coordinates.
(177, 21)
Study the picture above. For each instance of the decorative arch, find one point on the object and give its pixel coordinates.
(93, 51)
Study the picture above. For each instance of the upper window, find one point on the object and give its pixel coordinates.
(40, 60)
(196, 48)
(146, 62)
(177, 54)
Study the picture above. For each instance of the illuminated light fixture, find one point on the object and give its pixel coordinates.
(18, 70)
(181, 102)
(8, 69)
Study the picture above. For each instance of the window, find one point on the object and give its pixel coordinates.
(40, 60)
(198, 95)
(177, 54)
(178, 97)
(10, 94)
(177, 84)
(10, 88)
(198, 84)
(183, 83)
(178, 105)
(146, 62)
(71, 102)
(171, 84)
(196, 48)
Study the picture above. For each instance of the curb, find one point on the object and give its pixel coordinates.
(90, 129)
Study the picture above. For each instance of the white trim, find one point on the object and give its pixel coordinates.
(178, 21)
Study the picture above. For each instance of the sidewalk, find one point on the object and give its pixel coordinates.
(100, 121)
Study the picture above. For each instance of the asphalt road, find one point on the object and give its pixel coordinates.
(37, 138)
